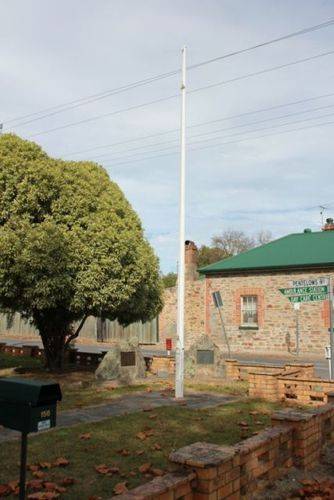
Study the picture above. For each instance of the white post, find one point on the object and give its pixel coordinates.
(331, 321)
(179, 354)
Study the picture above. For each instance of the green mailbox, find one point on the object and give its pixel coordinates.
(27, 406)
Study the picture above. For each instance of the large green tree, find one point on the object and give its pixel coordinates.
(70, 246)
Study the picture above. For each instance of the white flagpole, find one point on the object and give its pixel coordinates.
(179, 355)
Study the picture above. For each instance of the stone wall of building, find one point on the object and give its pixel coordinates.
(195, 313)
(276, 329)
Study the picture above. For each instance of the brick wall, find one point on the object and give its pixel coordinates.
(276, 317)
(213, 472)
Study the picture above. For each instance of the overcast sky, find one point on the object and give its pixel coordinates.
(55, 52)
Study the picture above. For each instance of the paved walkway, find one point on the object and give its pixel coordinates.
(130, 403)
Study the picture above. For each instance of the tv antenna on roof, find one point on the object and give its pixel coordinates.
(322, 209)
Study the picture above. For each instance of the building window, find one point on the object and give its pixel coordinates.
(249, 310)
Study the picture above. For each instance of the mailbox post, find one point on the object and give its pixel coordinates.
(27, 406)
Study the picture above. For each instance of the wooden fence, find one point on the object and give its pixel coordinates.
(94, 329)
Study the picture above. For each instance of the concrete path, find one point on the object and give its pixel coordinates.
(130, 403)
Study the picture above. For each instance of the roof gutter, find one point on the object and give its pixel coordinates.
(292, 267)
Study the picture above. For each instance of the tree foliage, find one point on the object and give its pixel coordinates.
(169, 280)
(70, 246)
(209, 254)
(231, 242)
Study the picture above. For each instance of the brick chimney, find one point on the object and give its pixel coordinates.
(329, 226)
(191, 256)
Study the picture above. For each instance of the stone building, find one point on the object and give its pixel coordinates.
(256, 315)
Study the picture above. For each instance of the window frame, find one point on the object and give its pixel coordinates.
(243, 324)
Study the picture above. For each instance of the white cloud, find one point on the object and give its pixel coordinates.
(54, 52)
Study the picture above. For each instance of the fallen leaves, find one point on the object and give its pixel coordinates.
(43, 495)
(85, 436)
(142, 435)
(120, 488)
(67, 481)
(106, 469)
(45, 465)
(38, 474)
(243, 424)
(5, 490)
(124, 452)
(144, 469)
(61, 462)
(157, 447)
(35, 484)
(315, 489)
(157, 472)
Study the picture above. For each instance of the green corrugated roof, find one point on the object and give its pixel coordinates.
(301, 250)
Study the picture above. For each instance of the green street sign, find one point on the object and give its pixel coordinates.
(305, 291)
(311, 297)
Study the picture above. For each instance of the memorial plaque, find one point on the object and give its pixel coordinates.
(128, 358)
(205, 357)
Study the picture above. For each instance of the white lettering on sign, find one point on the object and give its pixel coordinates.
(311, 282)
(43, 425)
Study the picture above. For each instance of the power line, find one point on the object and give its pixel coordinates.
(220, 144)
(89, 99)
(53, 110)
(217, 120)
(206, 87)
(104, 115)
(316, 27)
(262, 72)
(226, 129)
(230, 135)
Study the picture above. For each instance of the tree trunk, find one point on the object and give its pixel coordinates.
(56, 332)
(54, 349)
(54, 328)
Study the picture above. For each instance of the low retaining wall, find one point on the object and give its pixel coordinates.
(292, 387)
(162, 365)
(214, 472)
(293, 382)
(75, 357)
(241, 371)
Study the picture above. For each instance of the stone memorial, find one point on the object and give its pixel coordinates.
(204, 358)
(123, 363)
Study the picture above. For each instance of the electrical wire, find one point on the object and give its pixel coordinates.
(50, 111)
(261, 72)
(131, 161)
(206, 87)
(222, 130)
(201, 124)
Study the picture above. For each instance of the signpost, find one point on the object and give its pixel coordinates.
(217, 299)
(296, 306)
(312, 290)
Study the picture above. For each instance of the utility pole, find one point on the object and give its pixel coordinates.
(179, 354)
(331, 323)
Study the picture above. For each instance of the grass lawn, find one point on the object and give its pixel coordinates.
(80, 388)
(23, 362)
(114, 442)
